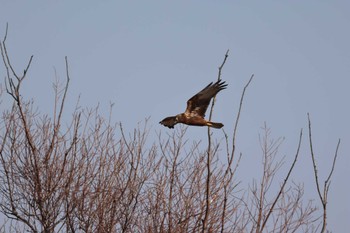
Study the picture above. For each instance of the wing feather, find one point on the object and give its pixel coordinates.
(199, 103)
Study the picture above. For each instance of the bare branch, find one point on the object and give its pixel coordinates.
(238, 115)
(231, 158)
(15, 88)
(333, 164)
(314, 161)
(207, 210)
(219, 77)
(324, 197)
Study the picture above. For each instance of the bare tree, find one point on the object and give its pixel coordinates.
(35, 157)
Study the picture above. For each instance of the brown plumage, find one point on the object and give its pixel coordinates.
(196, 108)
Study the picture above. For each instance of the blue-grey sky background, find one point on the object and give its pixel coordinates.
(149, 57)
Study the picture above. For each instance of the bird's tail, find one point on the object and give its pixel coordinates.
(214, 125)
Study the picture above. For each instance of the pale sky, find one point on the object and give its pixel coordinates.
(149, 57)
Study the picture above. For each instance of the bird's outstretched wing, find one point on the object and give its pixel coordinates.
(198, 104)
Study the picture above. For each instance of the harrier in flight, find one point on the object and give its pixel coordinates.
(196, 108)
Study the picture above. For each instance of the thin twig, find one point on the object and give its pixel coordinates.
(314, 161)
(236, 123)
(334, 160)
(239, 113)
(219, 77)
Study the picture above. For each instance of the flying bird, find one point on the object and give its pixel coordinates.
(196, 108)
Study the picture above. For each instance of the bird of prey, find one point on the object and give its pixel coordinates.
(196, 108)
